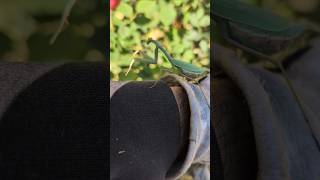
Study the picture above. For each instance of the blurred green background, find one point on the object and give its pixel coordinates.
(26, 27)
(182, 26)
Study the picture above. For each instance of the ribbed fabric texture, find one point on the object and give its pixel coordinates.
(56, 127)
(15, 77)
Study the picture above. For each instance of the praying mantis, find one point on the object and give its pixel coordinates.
(193, 74)
(190, 72)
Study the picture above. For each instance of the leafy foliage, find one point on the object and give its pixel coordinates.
(181, 25)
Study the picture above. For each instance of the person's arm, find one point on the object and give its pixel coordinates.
(54, 126)
(147, 125)
(234, 153)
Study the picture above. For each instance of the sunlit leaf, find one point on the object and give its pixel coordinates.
(204, 21)
(149, 8)
(125, 9)
(167, 13)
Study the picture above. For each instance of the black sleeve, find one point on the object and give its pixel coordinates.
(144, 131)
(234, 153)
(55, 128)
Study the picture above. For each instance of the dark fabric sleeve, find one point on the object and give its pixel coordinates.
(56, 127)
(235, 157)
(144, 131)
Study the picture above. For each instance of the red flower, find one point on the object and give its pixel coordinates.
(114, 4)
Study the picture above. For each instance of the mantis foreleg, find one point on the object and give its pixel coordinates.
(158, 46)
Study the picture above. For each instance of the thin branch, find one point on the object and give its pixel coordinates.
(64, 20)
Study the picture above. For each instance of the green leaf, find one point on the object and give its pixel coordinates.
(125, 60)
(194, 19)
(195, 4)
(178, 2)
(188, 55)
(141, 20)
(130, 76)
(147, 7)
(204, 21)
(178, 48)
(193, 35)
(204, 45)
(114, 56)
(125, 9)
(167, 13)
(187, 43)
(124, 31)
(200, 13)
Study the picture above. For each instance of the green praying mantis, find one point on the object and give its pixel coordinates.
(193, 74)
(190, 72)
(259, 32)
